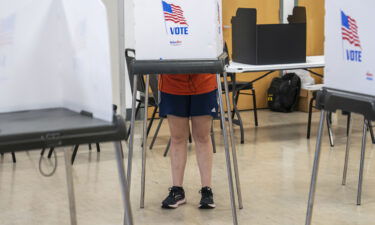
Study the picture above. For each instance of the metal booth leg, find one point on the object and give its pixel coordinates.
(349, 134)
(227, 153)
(132, 126)
(144, 144)
(233, 144)
(362, 164)
(69, 181)
(314, 176)
(128, 216)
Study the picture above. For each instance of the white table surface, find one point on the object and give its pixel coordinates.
(311, 62)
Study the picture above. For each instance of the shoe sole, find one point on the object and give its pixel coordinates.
(207, 206)
(175, 206)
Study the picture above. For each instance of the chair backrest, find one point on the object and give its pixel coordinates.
(141, 86)
(154, 87)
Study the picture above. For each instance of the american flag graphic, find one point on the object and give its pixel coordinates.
(349, 30)
(174, 13)
(6, 30)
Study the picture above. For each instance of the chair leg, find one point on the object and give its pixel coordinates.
(167, 148)
(152, 120)
(235, 109)
(90, 147)
(42, 152)
(330, 133)
(371, 132)
(50, 152)
(309, 118)
(156, 133)
(213, 137)
(14, 157)
(236, 98)
(255, 107)
(75, 150)
(98, 147)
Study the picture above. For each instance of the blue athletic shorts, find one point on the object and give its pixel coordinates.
(188, 105)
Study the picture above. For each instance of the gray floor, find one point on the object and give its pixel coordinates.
(275, 166)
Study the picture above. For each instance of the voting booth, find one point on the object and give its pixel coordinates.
(180, 37)
(349, 80)
(55, 82)
(55, 54)
(178, 29)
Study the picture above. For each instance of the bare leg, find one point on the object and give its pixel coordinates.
(179, 129)
(201, 127)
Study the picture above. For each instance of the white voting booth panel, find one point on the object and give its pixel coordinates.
(55, 53)
(178, 29)
(350, 46)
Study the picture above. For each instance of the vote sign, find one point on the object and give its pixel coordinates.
(178, 29)
(350, 46)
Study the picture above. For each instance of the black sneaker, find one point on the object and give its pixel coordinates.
(175, 198)
(207, 200)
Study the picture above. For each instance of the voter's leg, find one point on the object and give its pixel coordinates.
(201, 126)
(179, 130)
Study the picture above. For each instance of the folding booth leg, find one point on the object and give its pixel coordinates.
(227, 153)
(144, 145)
(128, 216)
(362, 164)
(132, 126)
(233, 144)
(156, 133)
(69, 181)
(314, 176)
(349, 134)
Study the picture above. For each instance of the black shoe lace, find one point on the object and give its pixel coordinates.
(206, 192)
